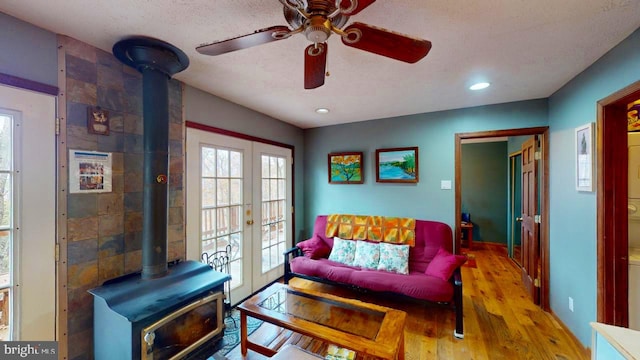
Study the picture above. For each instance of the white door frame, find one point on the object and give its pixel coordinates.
(35, 229)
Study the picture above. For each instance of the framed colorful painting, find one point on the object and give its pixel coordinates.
(345, 168)
(397, 165)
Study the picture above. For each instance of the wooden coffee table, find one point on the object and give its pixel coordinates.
(365, 328)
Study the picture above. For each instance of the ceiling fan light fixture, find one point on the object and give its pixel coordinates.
(322, 111)
(479, 86)
(317, 30)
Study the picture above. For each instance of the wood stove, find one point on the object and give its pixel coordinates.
(171, 317)
(163, 312)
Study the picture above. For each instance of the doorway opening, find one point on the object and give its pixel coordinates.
(612, 205)
(541, 218)
(514, 230)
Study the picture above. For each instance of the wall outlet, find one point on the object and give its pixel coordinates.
(571, 303)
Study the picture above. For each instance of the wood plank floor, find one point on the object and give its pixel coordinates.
(500, 322)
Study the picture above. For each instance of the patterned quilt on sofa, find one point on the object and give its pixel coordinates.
(395, 230)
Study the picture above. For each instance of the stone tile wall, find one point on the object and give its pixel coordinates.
(104, 233)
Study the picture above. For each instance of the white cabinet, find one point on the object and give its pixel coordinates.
(612, 343)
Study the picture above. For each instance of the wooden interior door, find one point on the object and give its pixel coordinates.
(530, 239)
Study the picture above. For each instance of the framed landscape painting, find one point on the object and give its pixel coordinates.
(345, 168)
(397, 165)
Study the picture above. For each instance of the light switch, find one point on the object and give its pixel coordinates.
(445, 184)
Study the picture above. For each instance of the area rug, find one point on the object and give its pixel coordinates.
(231, 336)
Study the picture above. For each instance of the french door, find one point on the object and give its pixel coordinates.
(27, 215)
(239, 194)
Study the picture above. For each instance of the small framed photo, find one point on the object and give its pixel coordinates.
(345, 168)
(397, 165)
(584, 157)
(97, 120)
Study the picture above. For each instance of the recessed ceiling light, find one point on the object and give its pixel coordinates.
(479, 86)
(322, 110)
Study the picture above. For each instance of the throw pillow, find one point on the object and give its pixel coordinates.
(314, 248)
(444, 263)
(343, 251)
(367, 255)
(394, 258)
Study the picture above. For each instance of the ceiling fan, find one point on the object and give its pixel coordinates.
(317, 19)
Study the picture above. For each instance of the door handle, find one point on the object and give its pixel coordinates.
(249, 222)
(518, 219)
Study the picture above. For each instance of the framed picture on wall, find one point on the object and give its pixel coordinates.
(345, 168)
(397, 165)
(90, 172)
(584, 157)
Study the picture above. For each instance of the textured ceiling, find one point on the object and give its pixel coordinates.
(526, 49)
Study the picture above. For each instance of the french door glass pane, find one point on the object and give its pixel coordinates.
(5, 200)
(208, 161)
(5, 258)
(223, 192)
(273, 209)
(6, 145)
(208, 193)
(221, 205)
(223, 163)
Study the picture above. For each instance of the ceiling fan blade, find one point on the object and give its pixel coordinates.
(386, 43)
(361, 5)
(258, 37)
(315, 62)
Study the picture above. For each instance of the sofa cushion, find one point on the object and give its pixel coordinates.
(323, 268)
(416, 285)
(314, 248)
(430, 236)
(394, 258)
(343, 251)
(367, 255)
(444, 263)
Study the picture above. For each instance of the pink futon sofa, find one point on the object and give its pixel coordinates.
(433, 272)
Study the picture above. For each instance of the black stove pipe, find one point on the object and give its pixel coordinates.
(157, 61)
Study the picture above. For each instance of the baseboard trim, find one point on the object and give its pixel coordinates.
(585, 350)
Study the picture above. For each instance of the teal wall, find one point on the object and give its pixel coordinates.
(514, 143)
(30, 52)
(434, 134)
(572, 229)
(484, 171)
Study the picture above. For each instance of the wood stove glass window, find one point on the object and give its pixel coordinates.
(184, 330)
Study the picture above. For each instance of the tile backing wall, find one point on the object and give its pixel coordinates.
(104, 231)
